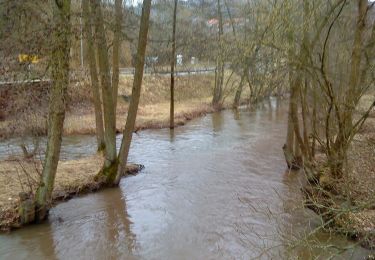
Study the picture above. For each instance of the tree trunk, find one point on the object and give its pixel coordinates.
(301, 144)
(93, 75)
(303, 89)
(110, 163)
(289, 147)
(136, 91)
(218, 90)
(173, 63)
(303, 99)
(237, 97)
(340, 147)
(57, 104)
(116, 51)
(314, 123)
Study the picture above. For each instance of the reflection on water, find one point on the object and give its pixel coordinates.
(213, 189)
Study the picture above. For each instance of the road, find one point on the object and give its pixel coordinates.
(179, 72)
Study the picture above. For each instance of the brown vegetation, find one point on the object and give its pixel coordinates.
(193, 98)
(73, 178)
(348, 204)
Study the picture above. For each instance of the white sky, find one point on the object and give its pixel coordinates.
(135, 2)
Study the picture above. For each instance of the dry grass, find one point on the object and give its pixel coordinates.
(192, 93)
(193, 96)
(73, 177)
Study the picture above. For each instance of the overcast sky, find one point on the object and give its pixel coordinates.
(135, 2)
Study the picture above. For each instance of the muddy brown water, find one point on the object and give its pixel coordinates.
(213, 189)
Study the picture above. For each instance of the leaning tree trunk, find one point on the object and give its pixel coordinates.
(116, 51)
(136, 91)
(57, 104)
(110, 164)
(173, 63)
(93, 75)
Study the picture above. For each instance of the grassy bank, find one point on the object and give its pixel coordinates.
(73, 178)
(193, 96)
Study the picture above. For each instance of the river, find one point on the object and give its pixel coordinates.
(216, 188)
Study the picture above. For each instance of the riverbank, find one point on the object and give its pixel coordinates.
(193, 96)
(76, 177)
(73, 178)
(348, 205)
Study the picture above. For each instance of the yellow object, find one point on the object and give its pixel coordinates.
(28, 58)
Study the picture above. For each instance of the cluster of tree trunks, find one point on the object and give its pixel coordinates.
(104, 102)
(338, 127)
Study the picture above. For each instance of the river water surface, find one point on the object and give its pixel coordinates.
(216, 188)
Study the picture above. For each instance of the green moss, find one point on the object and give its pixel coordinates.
(108, 174)
(101, 148)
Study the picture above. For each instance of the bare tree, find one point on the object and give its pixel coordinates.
(116, 51)
(219, 72)
(93, 74)
(136, 91)
(58, 95)
(110, 163)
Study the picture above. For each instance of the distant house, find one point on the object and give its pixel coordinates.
(179, 59)
(227, 24)
(151, 61)
(212, 22)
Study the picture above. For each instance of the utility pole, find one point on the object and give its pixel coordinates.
(80, 22)
(173, 64)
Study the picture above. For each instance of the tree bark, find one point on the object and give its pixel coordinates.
(136, 91)
(218, 90)
(301, 144)
(237, 97)
(314, 123)
(173, 63)
(95, 88)
(116, 51)
(303, 89)
(289, 147)
(57, 104)
(110, 163)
